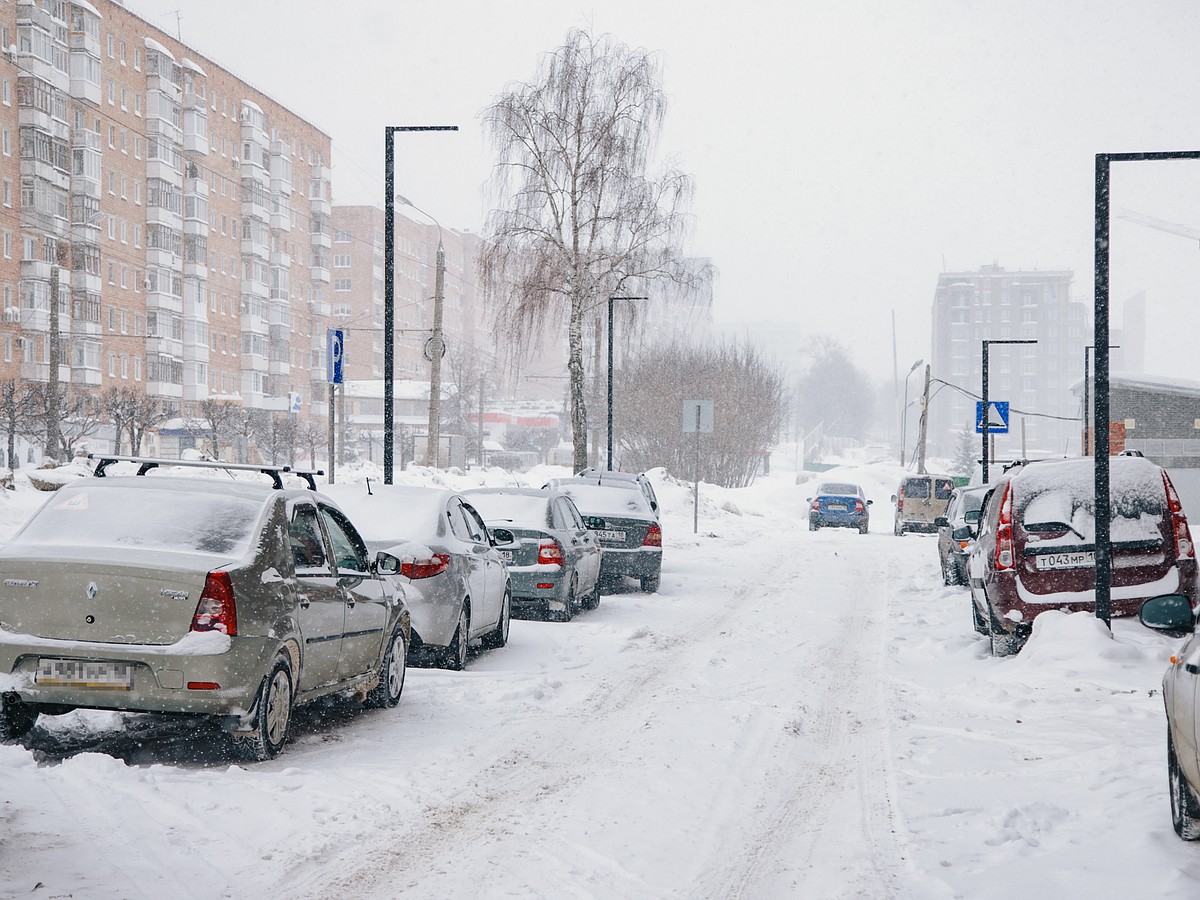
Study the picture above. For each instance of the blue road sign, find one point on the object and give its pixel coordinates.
(997, 417)
(335, 345)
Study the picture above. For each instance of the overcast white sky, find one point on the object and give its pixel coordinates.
(844, 152)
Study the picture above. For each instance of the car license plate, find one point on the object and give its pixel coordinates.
(836, 507)
(112, 676)
(610, 535)
(1078, 559)
(507, 556)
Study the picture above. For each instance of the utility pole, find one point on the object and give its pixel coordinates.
(924, 424)
(53, 411)
(437, 349)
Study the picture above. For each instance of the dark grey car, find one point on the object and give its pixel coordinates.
(195, 595)
(956, 532)
(627, 528)
(553, 559)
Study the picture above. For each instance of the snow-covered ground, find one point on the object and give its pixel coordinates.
(794, 714)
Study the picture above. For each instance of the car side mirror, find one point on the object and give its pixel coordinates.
(808, 499)
(962, 533)
(1170, 614)
(893, 498)
(869, 502)
(502, 537)
(386, 563)
(971, 516)
(941, 522)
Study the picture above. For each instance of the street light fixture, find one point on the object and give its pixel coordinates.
(389, 285)
(435, 347)
(1087, 444)
(985, 418)
(610, 373)
(904, 411)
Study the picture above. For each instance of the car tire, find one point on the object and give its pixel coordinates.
(17, 718)
(650, 584)
(592, 600)
(274, 718)
(947, 578)
(391, 675)
(863, 529)
(1185, 808)
(813, 526)
(456, 654)
(498, 637)
(569, 613)
(898, 529)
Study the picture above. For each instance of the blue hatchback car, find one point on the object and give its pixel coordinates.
(839, 504)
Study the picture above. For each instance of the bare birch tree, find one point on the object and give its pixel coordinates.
(576, 218)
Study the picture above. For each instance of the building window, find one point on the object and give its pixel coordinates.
(137, 59)
(341, 237)
(341, 260)
(112, 365)
(341, 285)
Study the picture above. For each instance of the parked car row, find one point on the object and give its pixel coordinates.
(240, 601)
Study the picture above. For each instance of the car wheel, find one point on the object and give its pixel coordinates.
(1185, 809)
(898, 529)
(391, 675)
(813, 526)
(592, 600)
(978, 619)
(17, 718)
(456, 653)
(650, 584)
(496, 639)
(947, 577)
(274, 714)
(569, 613)
(862, 529)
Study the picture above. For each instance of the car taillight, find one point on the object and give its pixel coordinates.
(900, 498)
(1004, 540)
(816, 505)
(1184, 549)
(426, 567)
(216, 609)
(653, 537)
(550, 554)
(858, 506)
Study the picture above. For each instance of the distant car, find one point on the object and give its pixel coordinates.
(919, 500)
(447, 554)
(1036, 547)
(956, 532)
(628, 530)
(192, 595)
(1175, 615)
(553, 559)
(839, 504)
(603, 476)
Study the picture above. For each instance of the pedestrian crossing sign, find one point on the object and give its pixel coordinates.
(997, 417)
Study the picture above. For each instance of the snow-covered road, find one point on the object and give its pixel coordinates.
(795, 714)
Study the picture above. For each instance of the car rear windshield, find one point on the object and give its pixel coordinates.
(840, 490)
(1055, 495)
(917, 488)
(606, 500)
(125, 518)
(943, 488)
(517, 509)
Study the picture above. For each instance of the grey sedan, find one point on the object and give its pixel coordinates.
(447, 554)
(553, 559)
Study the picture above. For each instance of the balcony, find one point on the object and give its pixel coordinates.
(164, 389)
(319, 273)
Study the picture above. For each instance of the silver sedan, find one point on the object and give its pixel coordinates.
(447, 554)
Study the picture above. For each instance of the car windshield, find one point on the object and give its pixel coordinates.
(839, 489)
(516, 509)
(124, 518)
(606, 500)
(390, 513)
(1059, 497)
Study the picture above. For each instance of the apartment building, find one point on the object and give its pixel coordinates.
(1035, 379)
(182, 215)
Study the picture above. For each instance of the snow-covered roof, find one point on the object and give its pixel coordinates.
(188, 64)
(1162, 384)
(84, 5)
(152, 44)
(254, 106)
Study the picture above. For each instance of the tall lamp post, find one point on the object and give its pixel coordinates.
(985, 419)
(610, 374)
(389, 285)
(904, 411)
(435, 347)
(1087, 444)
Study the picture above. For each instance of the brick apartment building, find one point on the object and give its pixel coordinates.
(188, 215)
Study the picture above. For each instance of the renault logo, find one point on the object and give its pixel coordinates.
(91, 590)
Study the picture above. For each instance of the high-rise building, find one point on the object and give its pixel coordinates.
(1034, 379)
(182, 214)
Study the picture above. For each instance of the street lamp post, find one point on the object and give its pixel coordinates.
(985, 418)
(610, 374)
(904, 411)
(389, 284)
(1087, 444)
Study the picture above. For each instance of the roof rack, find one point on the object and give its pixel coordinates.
(104, 460)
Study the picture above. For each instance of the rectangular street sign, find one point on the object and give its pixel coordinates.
(335, 352)
(697, 416)
(997, 417)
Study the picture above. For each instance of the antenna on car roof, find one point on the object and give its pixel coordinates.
(369, 494)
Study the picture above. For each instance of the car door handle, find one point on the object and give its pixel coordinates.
(304, 601)
(1192, 668)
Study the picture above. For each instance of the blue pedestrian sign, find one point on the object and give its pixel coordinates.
(997, 417)
(335, 345)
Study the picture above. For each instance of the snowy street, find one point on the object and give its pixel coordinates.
(795, 714)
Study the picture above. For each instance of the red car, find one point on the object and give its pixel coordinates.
(1036, 545)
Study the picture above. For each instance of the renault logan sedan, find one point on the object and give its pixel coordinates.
(193, 595)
